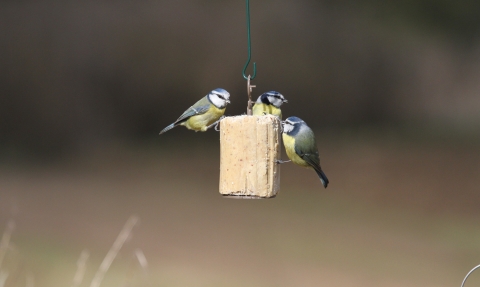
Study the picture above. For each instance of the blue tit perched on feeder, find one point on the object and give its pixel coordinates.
(300, 145)
(269, 103)
(203, 113)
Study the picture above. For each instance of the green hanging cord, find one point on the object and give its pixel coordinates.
(249, 47)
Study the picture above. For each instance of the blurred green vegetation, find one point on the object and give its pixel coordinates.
(454, 19)
(390, 88)
(74, 74)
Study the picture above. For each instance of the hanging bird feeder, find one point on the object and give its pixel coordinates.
(250, 148)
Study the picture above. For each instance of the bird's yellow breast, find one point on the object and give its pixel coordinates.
(201, 122)
(259, 109)
(289, 143)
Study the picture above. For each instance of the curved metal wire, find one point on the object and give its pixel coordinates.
(249, 47)
(464, 280)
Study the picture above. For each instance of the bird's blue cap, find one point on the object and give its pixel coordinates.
(273, 93)
(294, 119)
(220, 90)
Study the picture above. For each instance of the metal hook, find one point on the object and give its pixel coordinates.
(249, 92)
(249, 47)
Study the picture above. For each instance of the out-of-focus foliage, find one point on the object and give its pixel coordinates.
(76, 73)
(457, 19)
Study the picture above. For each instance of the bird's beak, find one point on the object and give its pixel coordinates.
(285, 101)
(228, 101)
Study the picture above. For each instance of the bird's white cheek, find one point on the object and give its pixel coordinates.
(274, 101)
(217, 101)
(287, 128)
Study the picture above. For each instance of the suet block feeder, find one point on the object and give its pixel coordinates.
(249, 149)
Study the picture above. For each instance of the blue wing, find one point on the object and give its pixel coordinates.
(192, 111)
(309, 154)
(200, 107)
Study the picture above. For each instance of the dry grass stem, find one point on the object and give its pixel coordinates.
(142, 260)
(81, 267)
(30, 282)
(3, 278)
(112, 253)
(6, 240)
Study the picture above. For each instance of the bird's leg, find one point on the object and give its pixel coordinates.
(279, 161)
(216, 124)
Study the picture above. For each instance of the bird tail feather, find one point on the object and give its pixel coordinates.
(322, 177)
(167, 128)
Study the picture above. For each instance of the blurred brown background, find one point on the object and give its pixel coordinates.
(391, 89)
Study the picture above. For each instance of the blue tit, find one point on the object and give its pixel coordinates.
(300, 145)
(269, 103)
(203, 113)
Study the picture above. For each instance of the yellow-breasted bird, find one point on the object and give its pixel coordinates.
(203, 113)
(300, 145)
(269, 103)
